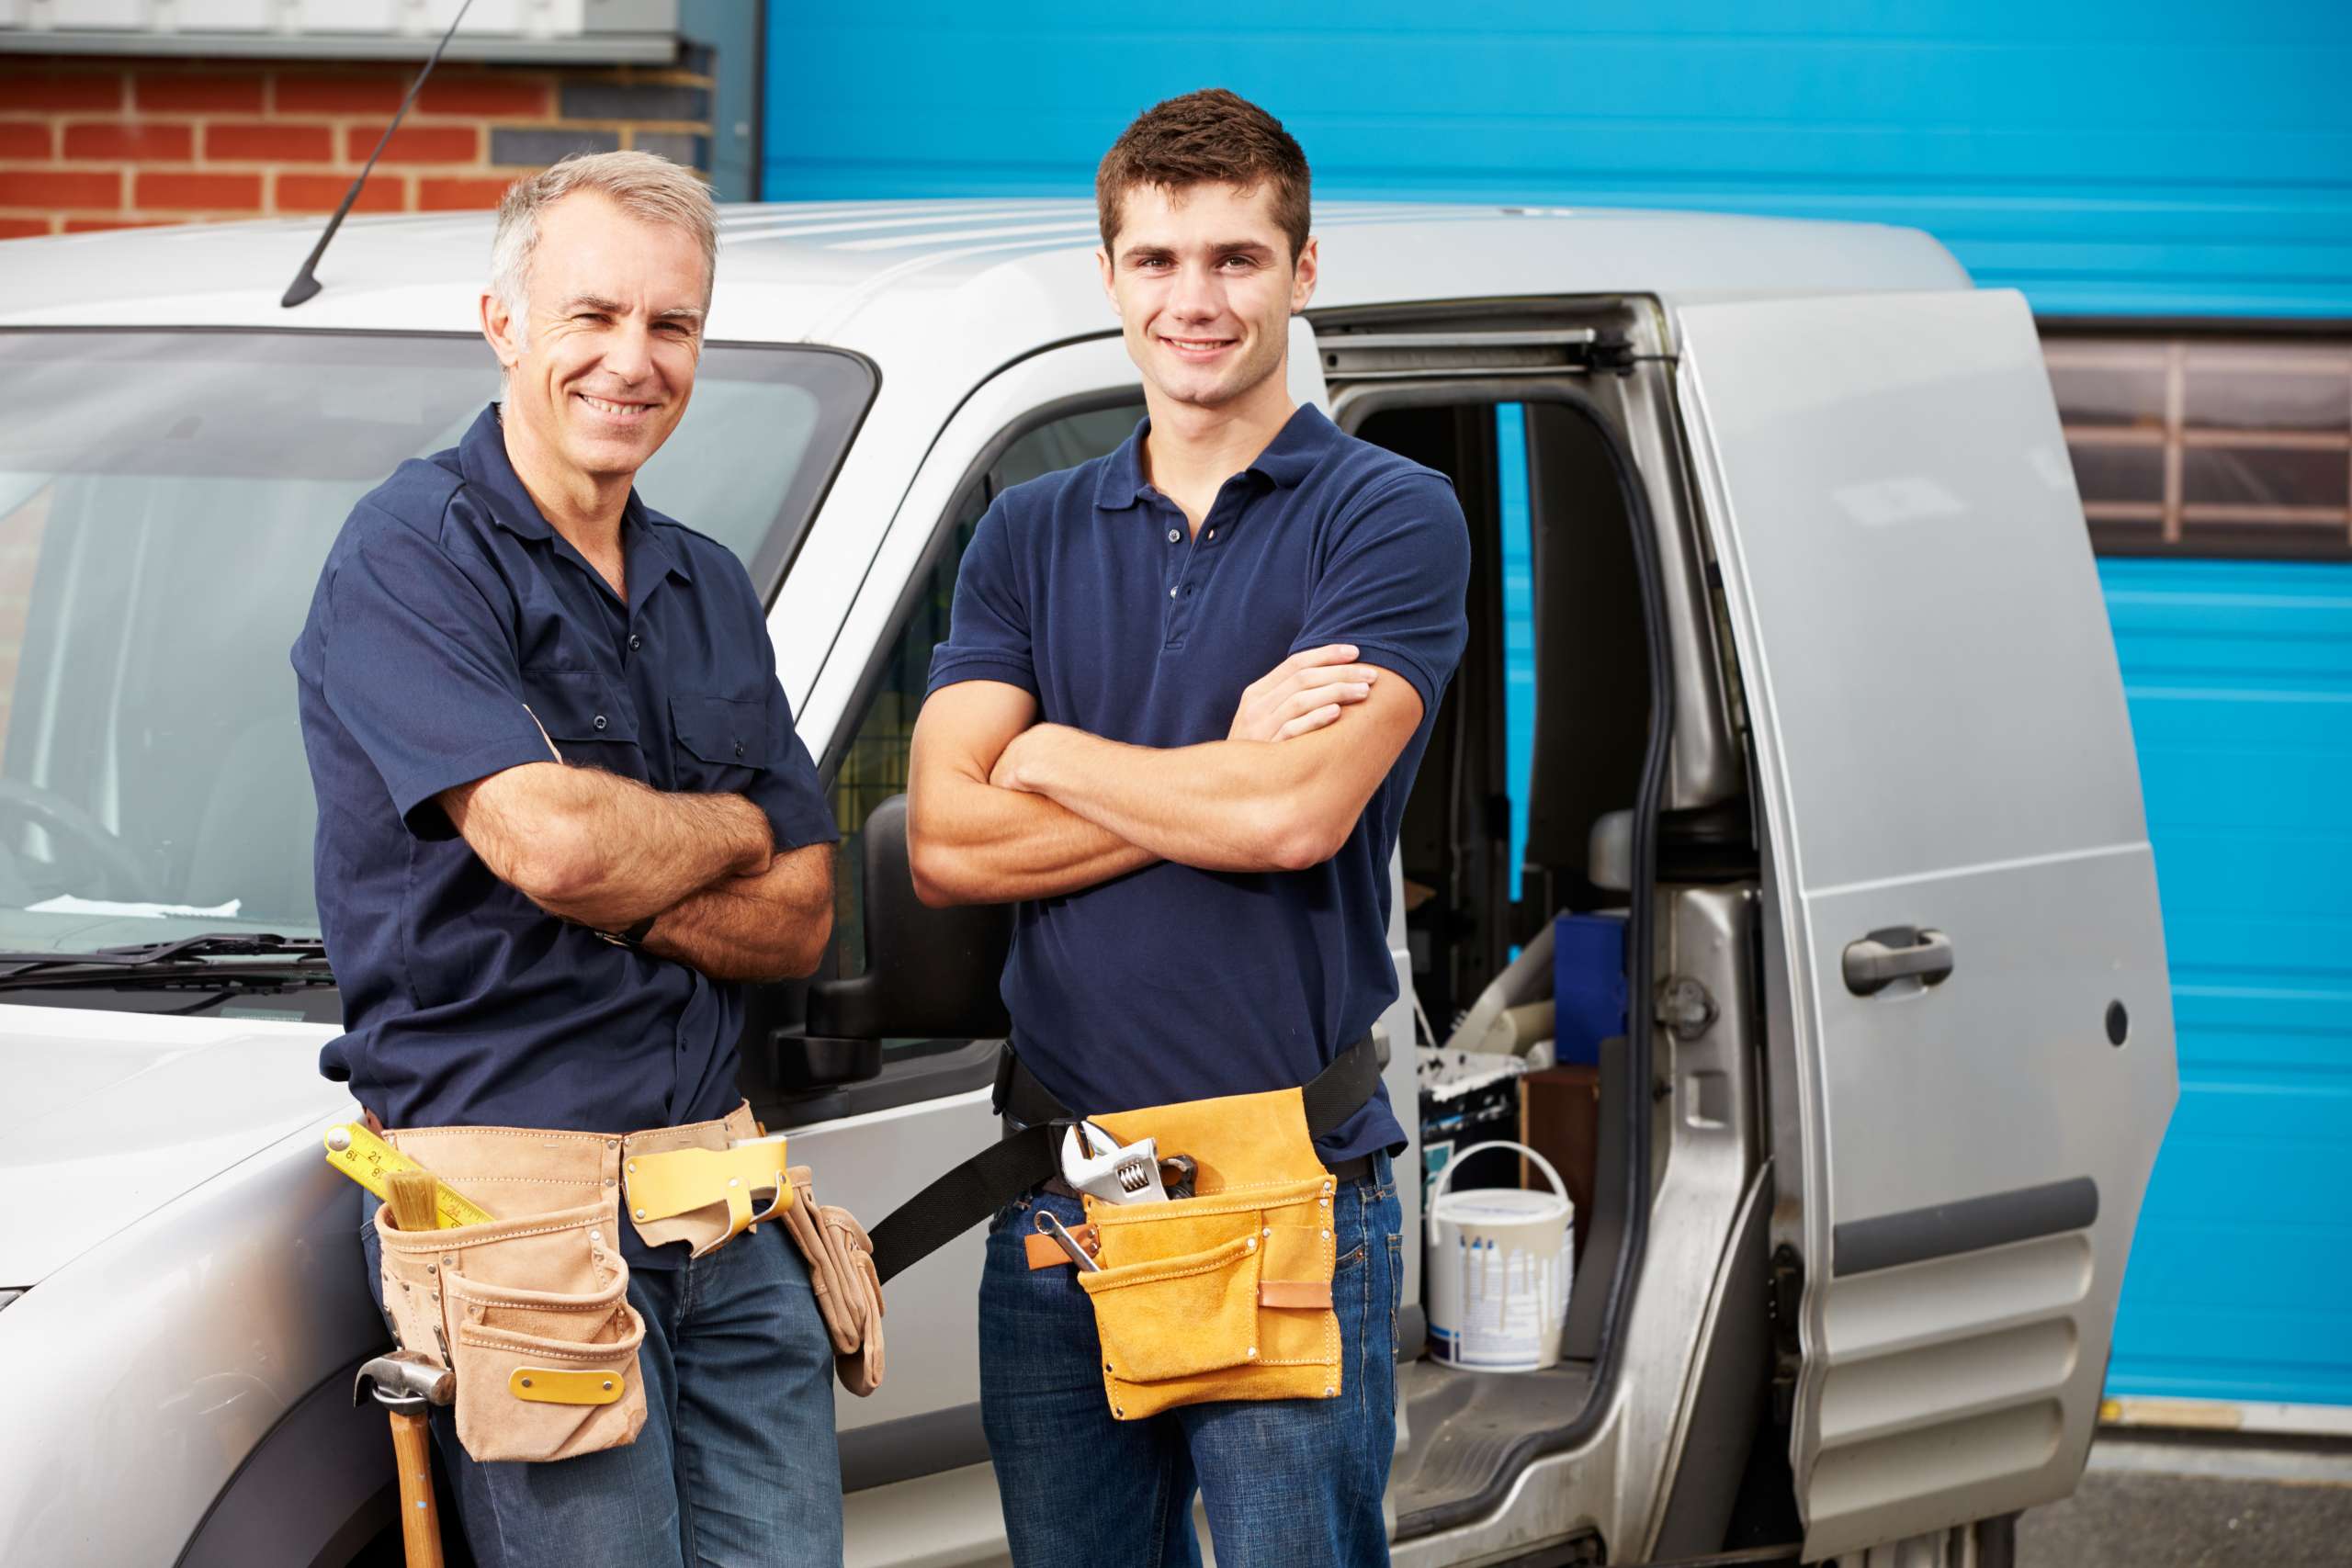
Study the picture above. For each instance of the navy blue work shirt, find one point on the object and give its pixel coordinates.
(449, 625)
(1085, 588)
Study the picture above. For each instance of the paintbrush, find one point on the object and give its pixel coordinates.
(414, 1200)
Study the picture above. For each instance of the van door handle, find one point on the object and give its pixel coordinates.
(1897, 953)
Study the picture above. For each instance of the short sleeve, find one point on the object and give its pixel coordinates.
(787, 790)
(988, 629)
(1395, 583)
(417, 665)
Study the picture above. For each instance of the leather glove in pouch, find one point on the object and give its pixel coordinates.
(841, 1271)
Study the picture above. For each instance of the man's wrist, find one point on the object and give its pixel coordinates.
(758, 839)
(1040, 758)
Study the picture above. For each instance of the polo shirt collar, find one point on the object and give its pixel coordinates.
(482, 457)
(1304, 440)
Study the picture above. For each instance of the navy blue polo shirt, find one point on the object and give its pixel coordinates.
(449, 625)
(1085, 588)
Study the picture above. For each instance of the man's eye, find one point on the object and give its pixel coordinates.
(597, 317)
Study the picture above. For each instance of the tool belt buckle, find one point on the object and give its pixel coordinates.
(677, 1181)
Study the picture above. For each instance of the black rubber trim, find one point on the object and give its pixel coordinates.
(1941, 1230)
(1640, 937)
(897, 1451)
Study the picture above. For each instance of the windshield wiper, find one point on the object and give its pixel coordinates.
(302, 958)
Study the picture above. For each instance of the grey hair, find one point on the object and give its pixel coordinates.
(649, 187)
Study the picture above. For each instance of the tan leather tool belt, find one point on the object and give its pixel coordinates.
(1226, 1294)
(532, 1311)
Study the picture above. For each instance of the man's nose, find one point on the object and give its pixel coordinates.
(1197, 295)
(628, 351)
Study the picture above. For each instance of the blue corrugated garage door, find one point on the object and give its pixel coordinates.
(2240, 680)
(2113, 158)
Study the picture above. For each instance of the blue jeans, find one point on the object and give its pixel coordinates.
(736, 1464)
(1288, 1483)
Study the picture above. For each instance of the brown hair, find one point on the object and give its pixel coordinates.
(1211, 137)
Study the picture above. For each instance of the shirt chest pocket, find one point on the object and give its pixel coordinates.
(723, 742)
(587, 719)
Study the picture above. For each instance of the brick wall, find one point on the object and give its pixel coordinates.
(104, 143)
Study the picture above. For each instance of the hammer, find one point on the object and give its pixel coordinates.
(406, 1384)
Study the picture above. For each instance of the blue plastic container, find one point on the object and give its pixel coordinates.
(1588, 984)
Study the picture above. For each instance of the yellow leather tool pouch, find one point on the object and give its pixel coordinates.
(1226, 1294)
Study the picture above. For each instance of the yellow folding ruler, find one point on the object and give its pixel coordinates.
(368, 1160)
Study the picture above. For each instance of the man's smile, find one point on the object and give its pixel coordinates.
(1196, 347)
(628, 412)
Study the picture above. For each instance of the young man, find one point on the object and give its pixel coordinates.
(1201, 858)
(541, 895)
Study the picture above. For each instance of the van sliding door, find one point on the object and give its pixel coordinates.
(1972, 1035)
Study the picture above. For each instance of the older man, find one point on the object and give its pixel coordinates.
(564, 814)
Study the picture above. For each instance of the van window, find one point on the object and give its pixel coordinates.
(874, 764)
(2208, 445)
(166, 500)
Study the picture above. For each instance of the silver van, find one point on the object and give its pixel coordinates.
(1824, 701)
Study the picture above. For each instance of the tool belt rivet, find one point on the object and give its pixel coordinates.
(1326, 1235)
(526, 1382)
(608, 1385)
(1251, 1352)
(640, 1213)
(1251, 1246)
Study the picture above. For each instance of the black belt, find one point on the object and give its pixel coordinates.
(1031, 1156)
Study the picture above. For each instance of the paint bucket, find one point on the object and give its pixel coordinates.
(1497, 1270)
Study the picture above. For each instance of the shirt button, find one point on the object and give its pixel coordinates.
(635, 642)
(1211, 532)
(600, 721)
(1172, 536)
(738, 748)
(1172, 593)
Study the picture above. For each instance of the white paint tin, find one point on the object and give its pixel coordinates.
(1498, 1269)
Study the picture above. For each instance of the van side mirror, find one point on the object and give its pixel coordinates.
(930, 974)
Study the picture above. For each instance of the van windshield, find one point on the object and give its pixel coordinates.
(166, 500)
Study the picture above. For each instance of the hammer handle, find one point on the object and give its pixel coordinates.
(420, 1520)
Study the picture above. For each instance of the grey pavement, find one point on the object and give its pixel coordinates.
(2206, 1502)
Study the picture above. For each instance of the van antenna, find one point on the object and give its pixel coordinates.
(306, 284)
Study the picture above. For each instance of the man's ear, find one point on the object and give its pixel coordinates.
(1103, 264)
(504, 333)
(1302, 277)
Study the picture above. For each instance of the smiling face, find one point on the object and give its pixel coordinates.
(600, 372)
(1205, 285)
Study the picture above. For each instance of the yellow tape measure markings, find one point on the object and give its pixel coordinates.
(368, 1160)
